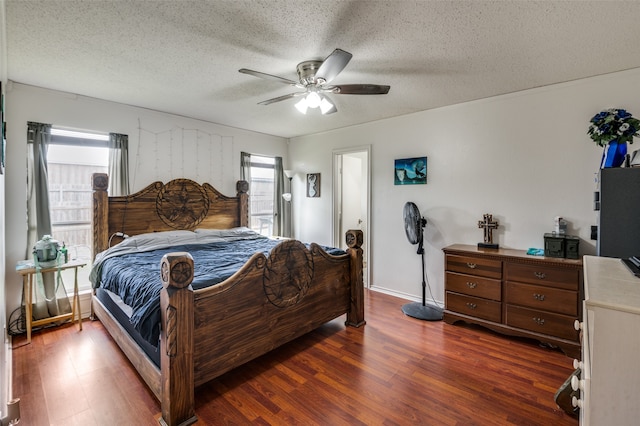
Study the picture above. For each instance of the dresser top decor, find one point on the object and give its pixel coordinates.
(488, 224)
(613, 124)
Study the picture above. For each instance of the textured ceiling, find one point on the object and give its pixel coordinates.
(183, 57)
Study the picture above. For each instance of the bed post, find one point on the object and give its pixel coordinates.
(99, 183)
(176, 342)
(355, 316)
(242, 188)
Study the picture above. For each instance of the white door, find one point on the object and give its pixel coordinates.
(351, 198)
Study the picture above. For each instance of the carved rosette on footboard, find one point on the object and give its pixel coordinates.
(287, 273)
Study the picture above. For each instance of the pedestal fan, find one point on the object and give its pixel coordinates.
(414, 224)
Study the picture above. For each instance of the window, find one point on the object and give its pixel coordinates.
(72, 158)
(261, 189)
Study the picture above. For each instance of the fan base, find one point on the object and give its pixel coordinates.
(423, 312)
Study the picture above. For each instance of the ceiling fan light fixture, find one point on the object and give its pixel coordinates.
(302, 105)
(313, 100)
(326, 106)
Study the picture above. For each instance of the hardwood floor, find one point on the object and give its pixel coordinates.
(395, 370)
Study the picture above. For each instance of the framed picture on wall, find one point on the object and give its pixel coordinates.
(313, 185)
(410, 171)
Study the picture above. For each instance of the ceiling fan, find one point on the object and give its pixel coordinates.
(315, 77)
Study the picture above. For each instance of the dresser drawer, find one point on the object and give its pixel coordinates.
(471, 285)
(544, 298)
(544, 275)
(556, 325)
(474, 265)
(474, 306)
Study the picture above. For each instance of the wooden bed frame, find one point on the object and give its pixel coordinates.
(205, 333)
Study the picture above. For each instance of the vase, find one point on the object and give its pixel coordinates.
(613, 154)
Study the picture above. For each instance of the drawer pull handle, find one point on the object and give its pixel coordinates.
(472, 305)
(577, 384)
(538, 320)
(471, 265)
(471, 285)
(577, 325)
(538, 296)
(576, 402)
(540, 275)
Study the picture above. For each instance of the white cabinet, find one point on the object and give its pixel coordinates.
(610, 379)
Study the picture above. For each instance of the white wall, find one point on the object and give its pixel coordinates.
(5, 353)
(523, 157)
(161, 147)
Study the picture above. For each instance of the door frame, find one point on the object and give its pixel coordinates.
(336, 203)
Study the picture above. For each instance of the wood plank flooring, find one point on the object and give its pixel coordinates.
(395, 370)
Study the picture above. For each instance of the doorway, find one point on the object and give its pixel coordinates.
(351, 199)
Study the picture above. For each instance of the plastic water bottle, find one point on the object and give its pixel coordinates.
(64, 252)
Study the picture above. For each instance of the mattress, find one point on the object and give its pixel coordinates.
(122, 313)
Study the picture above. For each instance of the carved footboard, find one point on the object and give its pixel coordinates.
(268, 302)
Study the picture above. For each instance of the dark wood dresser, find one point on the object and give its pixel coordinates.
(514, 293)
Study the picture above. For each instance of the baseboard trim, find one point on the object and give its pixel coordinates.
(85, 303)
(403, 295)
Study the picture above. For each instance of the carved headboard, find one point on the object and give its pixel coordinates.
(177, 204)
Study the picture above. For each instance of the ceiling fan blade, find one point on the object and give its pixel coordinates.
(361, 89)
(268, 76)
(281, 98)
(333, 65)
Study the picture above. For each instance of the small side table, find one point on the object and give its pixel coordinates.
(28, 273)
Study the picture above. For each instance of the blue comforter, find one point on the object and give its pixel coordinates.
(136, 277)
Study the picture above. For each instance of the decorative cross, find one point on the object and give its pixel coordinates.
(489, 225)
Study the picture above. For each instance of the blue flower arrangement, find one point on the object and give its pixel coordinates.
(613, 125)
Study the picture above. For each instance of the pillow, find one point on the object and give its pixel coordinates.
(155, 238)
(242, 232)
(239, 229)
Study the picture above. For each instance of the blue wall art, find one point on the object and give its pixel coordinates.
(410, 171)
